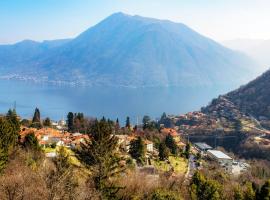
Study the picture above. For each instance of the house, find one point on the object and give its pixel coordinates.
(223, 159)
(202, 147)
(149, 145)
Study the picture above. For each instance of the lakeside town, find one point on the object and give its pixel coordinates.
(190, 156)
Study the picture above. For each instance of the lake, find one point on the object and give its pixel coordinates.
(56, 101)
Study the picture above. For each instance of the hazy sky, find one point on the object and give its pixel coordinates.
(54, 19)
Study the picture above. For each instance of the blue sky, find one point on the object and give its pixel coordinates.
(54, 19)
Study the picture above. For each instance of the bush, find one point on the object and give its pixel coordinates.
(161, 194)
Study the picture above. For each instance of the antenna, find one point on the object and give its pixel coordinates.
(14, 105)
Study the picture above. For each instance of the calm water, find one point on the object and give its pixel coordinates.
(56, 101)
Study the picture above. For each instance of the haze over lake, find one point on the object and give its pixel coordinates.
(56, 101)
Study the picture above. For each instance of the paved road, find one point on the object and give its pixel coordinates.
(191, 167)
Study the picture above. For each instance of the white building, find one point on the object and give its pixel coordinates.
(223, 159)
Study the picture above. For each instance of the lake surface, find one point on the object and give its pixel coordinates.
(56, 101)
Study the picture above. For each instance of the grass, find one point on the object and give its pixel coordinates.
(49, 149)
(179, 165)
(73, 159)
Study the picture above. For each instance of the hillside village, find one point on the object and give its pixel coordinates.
(164, 152)
(57, 135)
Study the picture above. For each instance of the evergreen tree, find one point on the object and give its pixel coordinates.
(137, 150)
(8, 138)
(70, 121)
(170, 143)
(146, 121)
(238, 194)
(163, 116)
(101, 157)
(13, 118)
(202, 188)
(117, 125)
(31, 142)
(3, 158)
(36, 117)
(128, 123)
(265, 191)
(163, 151)
(249, 194)
(47, 122)
(187, 150)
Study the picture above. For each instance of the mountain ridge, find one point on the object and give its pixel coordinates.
(132, 51)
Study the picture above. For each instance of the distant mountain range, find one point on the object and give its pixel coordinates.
(256, 49)
(130, 51)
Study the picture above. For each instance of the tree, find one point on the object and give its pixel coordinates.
(170, 143)
(163, 151)
(238, 194)
(31, 142)
(137, 150)
(146, 121)
(36, 117)
(61, 181)
(162, 194)
(47, 122)
(128, 123)
(187, 150)
(117, 125)
(249, 194)
(9, 133)
(70, 121)
(202, 188)
(100, 156)
(265, 191)
(13, 118)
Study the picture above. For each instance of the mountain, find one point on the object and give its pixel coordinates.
(256, 49)
(131, 51)
(252, 99)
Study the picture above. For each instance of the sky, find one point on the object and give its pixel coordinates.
(56, 19)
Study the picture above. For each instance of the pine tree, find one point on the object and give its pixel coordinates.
(101, 157)
(163, 151)
(13, 118)
(8, 137)
(170, 143)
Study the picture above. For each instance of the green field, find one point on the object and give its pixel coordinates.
(177, 163)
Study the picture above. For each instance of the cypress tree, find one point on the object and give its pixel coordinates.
(70, 121)
(128, 122)
(170, 143)
(163, 151)
(36, 117)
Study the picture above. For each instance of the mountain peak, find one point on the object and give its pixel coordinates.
(135, 51)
